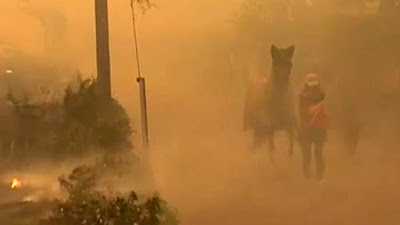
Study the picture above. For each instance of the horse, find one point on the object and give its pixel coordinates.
(269, 105)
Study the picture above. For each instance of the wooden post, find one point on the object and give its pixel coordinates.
(143, 109)
(102, 48)
(142, 89)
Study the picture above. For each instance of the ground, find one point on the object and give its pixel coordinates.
(204, 167)
(249, 190)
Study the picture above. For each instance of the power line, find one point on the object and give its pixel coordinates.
(135, 39)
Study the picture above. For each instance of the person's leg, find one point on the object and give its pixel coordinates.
(352, 136)
(319, 159)
(271, 145)
(258, 139)
(290, 133)
(306, 150)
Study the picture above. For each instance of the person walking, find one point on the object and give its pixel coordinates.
(313, 124)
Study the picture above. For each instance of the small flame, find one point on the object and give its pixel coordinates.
(9, 72)
(16, 183)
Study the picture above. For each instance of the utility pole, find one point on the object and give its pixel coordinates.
(143, 107)
(102, 48)
(142, 88)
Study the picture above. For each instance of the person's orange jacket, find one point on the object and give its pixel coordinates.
(318, 116)
(312, 112)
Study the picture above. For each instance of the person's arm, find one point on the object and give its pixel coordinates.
(302, 107)
(322, 96)
(318, 97)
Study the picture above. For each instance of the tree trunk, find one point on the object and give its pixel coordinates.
(102, 47)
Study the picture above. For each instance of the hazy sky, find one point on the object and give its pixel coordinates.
(21, 27)
(21, 23)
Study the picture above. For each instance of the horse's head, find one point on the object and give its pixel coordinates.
(282, 63)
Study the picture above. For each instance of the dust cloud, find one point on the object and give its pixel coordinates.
(200, 154)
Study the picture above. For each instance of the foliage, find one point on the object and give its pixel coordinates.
(35, 121)
(102, 210)
(81, 121)
(341, 46)
(85, 205)
(91, 120)
(79, 183)
(143, 5)
(314, 22)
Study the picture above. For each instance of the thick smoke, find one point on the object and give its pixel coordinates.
(197, 57)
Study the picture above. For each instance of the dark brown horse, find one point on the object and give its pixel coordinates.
(269, 105)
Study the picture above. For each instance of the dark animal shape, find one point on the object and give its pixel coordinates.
(269, 105)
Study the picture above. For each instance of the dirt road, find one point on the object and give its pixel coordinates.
(204, 167)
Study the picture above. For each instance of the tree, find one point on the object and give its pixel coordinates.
(79, 123)
(91, 120)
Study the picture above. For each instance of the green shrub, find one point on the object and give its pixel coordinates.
(79, 122)
(86, 205)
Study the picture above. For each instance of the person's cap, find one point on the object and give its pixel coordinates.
(312, 80)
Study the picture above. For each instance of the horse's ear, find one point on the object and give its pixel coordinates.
(290, 51)
(274, 51)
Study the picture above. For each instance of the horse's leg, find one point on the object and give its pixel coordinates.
(258, 139)
(271, 145)
(290, 133)
(355, 139)
(352, 136)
